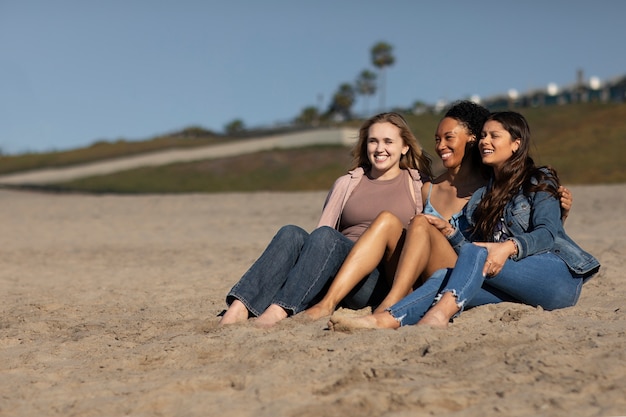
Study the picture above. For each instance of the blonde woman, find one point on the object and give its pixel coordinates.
(388, 171)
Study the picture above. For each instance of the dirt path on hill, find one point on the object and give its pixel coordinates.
(292, 140)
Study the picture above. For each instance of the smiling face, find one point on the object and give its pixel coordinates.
(385, 147)
(451, 141)
(496, 145)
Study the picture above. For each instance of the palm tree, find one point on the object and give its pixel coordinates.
(342, 102)
(366, 86)
(309, 116)
(382, 57)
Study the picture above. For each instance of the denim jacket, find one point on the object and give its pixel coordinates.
(536, 226)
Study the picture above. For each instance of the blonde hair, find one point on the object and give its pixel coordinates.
(415, 158)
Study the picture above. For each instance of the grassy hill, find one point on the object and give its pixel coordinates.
(103, 150)
(584, 142)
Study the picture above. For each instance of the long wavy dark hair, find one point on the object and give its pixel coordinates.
(520, 172)
(415, 158)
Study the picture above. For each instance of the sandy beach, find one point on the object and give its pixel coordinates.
(109, 308)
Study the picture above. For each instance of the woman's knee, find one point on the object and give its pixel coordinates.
(324, 234)
(473, 250)
(387, 220)
(326, 240)
(291, 233)
(420, 222)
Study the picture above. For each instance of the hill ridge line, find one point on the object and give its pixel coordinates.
(327, 136)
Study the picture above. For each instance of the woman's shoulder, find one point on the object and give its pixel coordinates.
(417, 175)
(356, 173)
(544, 175)
(477, 196)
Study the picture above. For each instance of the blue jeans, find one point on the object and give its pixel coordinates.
(538, 280)
(295, 270)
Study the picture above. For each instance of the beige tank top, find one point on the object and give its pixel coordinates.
(370, 197)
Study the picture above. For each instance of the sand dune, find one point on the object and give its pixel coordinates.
(109, 308)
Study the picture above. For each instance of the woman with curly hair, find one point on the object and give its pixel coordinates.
(520, 251)
(388, 169)
(422, 249)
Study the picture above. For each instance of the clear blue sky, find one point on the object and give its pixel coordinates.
(74, 72)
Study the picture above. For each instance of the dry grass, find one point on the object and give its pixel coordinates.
(585, 143)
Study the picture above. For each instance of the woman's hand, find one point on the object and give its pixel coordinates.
(497, 254)
(440, 224)
(566, 201)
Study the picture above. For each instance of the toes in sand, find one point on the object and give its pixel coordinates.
(349, 324)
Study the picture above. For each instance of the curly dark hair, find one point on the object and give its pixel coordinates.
(472, 116)
(469, 114)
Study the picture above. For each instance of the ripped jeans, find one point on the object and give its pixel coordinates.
(537, 280)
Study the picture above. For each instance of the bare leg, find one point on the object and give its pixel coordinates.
(382, 320)
(380, 239)
(272, 315)
(425, 251)
(236, 313)
(440, 314)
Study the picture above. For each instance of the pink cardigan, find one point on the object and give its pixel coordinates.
(342, 189)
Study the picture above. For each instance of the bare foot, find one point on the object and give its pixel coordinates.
(382, 320)
(272, 315)
(434, 319)
(236, 313)
(440, 314)
(348, 324)
(318, 311)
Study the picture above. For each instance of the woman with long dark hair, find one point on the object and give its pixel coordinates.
(520, 251)
(422, 249)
